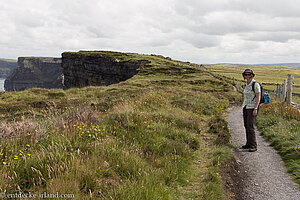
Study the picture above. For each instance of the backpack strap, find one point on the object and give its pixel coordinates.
(253, 84)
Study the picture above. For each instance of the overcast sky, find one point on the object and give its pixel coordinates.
(200, 31)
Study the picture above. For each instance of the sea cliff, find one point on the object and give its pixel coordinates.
(35, 72)
(6, 67)
(97, 68)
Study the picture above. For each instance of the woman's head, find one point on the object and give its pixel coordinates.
(248, 73)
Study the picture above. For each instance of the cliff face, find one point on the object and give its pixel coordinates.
(6, 67)
(35, 73)
(96, 69)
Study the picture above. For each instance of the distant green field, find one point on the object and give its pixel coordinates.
(8, 60)
(264, 74)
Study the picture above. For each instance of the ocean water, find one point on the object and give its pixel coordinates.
(2, 84)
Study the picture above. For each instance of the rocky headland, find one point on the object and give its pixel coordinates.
(74, 69)
(97, 68)
(33, 72)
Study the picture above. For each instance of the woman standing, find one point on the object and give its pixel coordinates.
(250, 108)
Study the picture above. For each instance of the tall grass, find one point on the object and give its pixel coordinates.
(280, 125)
(151, 137)
(141, 149)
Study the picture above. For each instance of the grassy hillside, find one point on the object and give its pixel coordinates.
(265, 74)
(158, 135)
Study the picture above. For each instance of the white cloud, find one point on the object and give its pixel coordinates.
(206, 31)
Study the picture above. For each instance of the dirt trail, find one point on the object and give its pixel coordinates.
(262, 176)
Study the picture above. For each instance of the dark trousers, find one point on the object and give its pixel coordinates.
(249, 126)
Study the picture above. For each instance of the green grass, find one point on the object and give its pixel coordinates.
(270, 75)
(158, 135)
(8, 60)
(280, 125)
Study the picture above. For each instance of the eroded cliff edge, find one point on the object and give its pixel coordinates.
(74, 69)
(35, 72)
(6, 67)
(97, 68)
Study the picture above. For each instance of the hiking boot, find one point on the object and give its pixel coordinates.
(245, 147)
(252, 149)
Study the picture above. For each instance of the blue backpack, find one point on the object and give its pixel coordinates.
(265, 97)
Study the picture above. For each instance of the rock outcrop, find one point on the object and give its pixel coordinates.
(83, 68)
(6, 67)
(35, 73)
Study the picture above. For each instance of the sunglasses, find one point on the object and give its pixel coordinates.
(247, 74)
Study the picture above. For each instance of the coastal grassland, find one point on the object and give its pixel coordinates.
(296, 99)
(158, 135)
(271, 75)
(8, 60)
(280, 125)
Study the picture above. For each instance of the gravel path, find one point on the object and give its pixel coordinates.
(263, 176)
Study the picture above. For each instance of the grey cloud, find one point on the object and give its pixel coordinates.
(273, 36)
(200, 40)
(216, 29)
(233, 16)
(274, 8)
(96, 31)
(30, 18)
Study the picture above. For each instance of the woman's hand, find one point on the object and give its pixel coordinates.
(254, 114)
